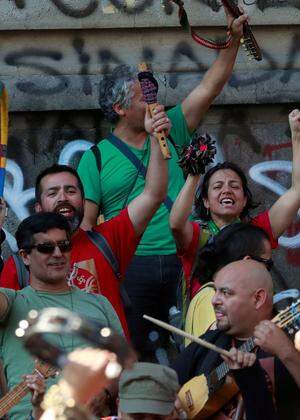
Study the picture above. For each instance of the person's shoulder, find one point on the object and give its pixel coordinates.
(175, 111)
(88, 155)
(9, 292)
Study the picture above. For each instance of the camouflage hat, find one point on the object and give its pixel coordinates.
(148, 388)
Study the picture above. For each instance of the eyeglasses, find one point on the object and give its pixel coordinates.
(268, 262)
(49, 247)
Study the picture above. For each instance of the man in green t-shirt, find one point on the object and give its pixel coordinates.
(152, 277)
(44, 243)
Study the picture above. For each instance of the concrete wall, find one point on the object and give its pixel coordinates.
(53, 53)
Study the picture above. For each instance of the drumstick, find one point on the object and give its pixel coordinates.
(187, 335)
(149, 88)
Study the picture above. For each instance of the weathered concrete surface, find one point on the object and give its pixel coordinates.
(67, 92)
(61, 69)
(83, 14)
(54, 52)
(247, 135)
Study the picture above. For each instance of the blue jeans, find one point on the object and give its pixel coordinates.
(151, 283)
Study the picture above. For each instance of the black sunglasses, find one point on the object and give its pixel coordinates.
(49, 247)
(268, 262)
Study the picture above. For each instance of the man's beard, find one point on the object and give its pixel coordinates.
(75, 221)
(223, 326)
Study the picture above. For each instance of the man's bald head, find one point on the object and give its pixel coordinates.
(244, 292)
(249, 274)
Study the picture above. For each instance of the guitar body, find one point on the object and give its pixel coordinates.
(195, 399)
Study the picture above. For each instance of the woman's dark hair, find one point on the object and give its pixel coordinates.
(232, 243)
(37, 223)
(201, 211)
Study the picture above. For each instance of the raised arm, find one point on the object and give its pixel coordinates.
(143, 207)
(285, 208)
(200, 99)
(179, 217)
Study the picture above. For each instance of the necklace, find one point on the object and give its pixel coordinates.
(46, 304)
(214, 229)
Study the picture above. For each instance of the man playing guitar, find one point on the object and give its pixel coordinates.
(243, 307)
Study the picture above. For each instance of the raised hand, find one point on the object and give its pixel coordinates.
(235, 25)
(294, 120)
(159, 122)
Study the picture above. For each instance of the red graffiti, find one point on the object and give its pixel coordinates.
(269, 149)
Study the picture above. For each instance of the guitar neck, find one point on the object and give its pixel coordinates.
(222, 370)
(13, 397)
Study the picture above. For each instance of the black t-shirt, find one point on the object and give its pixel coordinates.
(195, 360)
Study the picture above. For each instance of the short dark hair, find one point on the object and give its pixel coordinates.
(37, 223)
(201, 211)
(232, 243)
(55, 169)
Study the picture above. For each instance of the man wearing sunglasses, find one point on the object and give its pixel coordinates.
(44, 242)
(59, 189)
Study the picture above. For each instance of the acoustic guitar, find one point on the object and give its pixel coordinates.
(15, 395)
(203, 396)
(249, 42)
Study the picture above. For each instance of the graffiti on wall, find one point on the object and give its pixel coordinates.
(43, 62)
(259, 174)
(19, 198)
(51, 62)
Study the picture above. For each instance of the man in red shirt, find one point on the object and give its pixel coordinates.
(59, 189)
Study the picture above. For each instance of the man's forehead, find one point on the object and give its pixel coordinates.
(59, 180)
(227, 277)
(51, 234)
(222, 282)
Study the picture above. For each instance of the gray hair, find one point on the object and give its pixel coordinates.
(116, 88)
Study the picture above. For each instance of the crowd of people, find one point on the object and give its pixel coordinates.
(134, 263)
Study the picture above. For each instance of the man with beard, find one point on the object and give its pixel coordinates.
(59, 189)
(243, 308)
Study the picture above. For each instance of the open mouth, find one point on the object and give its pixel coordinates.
(66, 210)
(227, 202)
(219, 314)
